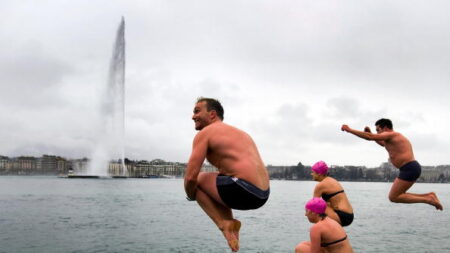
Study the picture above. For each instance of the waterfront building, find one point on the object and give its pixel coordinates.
(4, 161)
(206, 167)
(79, 166)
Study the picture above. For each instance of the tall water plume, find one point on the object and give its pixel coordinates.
(111, 136)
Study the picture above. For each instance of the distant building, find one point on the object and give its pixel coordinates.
(206, 167)
(435, 174)
(141, 169)
(115, 168)
(49, 164)
(155, 168)
(387, 171)
(26, 165)
(79, 166)
(4, 162)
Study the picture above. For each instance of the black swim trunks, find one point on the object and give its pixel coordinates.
(346, 218)
(240, 194)
(410, 171)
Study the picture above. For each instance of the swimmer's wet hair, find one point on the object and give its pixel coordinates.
(212, 104)
(384, 123)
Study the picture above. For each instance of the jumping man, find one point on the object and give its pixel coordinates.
(242, 181)
(402, 157)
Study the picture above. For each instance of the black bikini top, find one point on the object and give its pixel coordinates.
(326, 197)
(326, 244)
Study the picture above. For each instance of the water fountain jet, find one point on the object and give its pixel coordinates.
(110, 140)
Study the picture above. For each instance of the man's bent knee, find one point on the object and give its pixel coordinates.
(393, 198)
(207, 184)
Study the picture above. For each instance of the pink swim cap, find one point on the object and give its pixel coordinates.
(316, 205)
(320, 167)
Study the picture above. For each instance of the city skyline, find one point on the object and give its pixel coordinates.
(206, 162)
(79, 168)
(288, 73)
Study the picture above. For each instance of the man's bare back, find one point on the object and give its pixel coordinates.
(234, 153)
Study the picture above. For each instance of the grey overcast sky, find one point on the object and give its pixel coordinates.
(289, 73)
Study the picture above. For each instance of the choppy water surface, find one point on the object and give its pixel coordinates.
(45, 214)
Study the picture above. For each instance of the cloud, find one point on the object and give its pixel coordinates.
(31, 76)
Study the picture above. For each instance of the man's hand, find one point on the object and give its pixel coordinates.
(367, 129)
(345, 128)
(190, 187)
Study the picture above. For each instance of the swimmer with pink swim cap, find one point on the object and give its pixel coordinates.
(332, 192)
(326, 234)
(320, 168)
(316, 205)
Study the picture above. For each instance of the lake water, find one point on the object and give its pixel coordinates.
(48, 214)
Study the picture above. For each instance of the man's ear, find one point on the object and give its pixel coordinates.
(213, 114)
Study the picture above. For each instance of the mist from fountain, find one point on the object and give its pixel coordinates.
(111, 135)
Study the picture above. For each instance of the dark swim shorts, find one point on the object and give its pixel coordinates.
(240, 194)
(410, 171)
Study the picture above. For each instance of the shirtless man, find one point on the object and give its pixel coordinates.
(402, 157)
(242, 181)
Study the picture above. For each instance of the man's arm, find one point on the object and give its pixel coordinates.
(367, 130)
(367, 135)
(198, 155)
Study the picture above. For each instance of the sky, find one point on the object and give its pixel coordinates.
(289, 73)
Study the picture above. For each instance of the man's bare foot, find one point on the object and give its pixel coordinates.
(435, 201)
(237, 227)
(230, 231)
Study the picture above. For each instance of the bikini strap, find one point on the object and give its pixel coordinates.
(326, 244)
